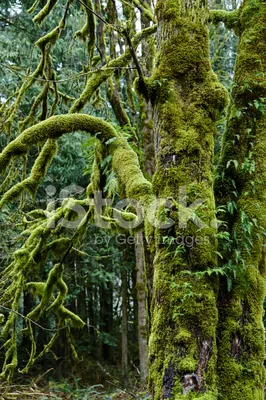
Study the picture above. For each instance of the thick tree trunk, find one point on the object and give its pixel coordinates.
(241, 188)
(186, 97)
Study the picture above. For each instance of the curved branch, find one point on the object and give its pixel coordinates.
(125, 160)
(37, 173)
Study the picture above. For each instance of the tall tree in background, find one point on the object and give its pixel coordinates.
(207, 338)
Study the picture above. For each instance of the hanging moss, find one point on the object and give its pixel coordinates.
(87, 32)
(38, 172)
(100, 76)
(30, 118)
(45, 11)
(10, 114)
(33, 7)
(34, 252)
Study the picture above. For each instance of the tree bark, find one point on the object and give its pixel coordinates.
(240, 188)
(186, 98)
(124, 328)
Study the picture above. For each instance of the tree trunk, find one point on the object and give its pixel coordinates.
(124, 328)
(186, 97)
(241, 188)
(106, 317)
(142, 306)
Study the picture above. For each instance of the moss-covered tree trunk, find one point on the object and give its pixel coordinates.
(241, 188)
(186, 98)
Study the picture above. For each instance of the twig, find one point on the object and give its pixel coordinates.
(40, 377)
(114, 384)
(28, 319)
(133, 54)
(123, 390)
(77, 76)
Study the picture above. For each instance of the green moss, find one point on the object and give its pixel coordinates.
(38, 172)
(51, 37)
(241, 350)
(190, 99)
(130, 175)
(45, 11)
(33, 7)
(88, 30)
(149, 88)
(229, 18)
(35, 250)
(100, 76)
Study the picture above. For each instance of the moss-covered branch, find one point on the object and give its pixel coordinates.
(9, 114)
(100, 76)
(125, 160)
(144, 9)
(88, 29)
(229, 18)
(34, 254)
(45, 11)
(37, 173)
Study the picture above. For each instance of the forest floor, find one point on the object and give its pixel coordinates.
(64, 391)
